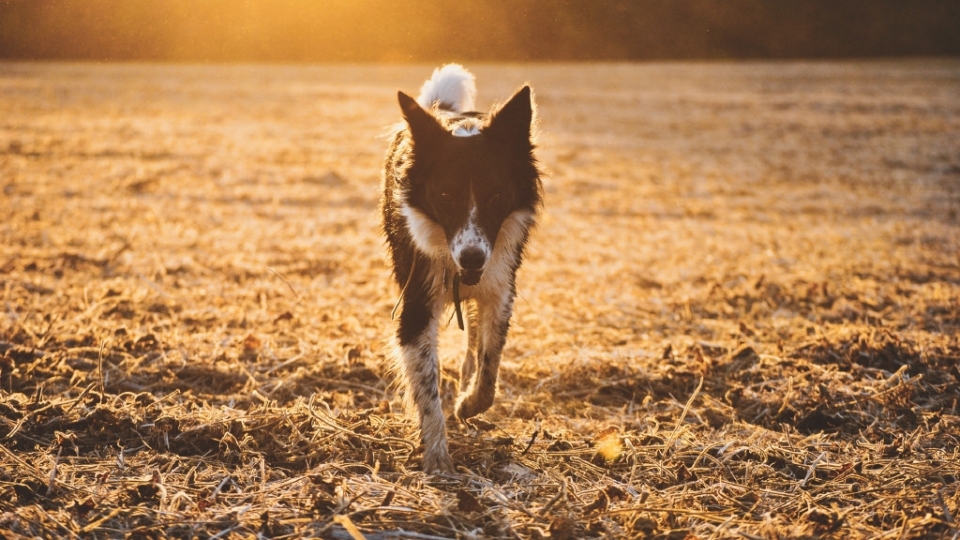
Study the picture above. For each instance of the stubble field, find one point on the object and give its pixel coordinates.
(739, 316)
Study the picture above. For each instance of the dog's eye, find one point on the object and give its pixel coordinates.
(494, 198)
(446, 197)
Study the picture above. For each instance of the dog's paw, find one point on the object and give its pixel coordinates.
(438, 462)
(471, 405)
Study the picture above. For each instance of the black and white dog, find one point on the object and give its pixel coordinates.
(461, 192)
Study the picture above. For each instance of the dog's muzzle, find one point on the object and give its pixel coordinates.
(471, 262)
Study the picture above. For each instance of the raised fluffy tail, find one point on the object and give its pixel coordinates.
(451, 87)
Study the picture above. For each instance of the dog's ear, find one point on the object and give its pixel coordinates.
(512, 122)
(424, 127)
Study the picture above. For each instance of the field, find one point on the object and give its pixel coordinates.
(739, 317)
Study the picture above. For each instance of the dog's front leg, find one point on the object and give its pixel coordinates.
(421, 370)
(469, 366)
(492, 325)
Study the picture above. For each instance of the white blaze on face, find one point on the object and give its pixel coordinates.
(465, 130)
(470, 237)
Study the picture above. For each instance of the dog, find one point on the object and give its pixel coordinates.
(461, 194)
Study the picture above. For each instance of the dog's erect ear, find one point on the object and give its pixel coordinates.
(426, 130)
(512, 121)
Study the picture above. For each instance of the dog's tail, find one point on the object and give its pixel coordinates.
(451, 88)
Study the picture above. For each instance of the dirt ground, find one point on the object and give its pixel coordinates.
(739, 316)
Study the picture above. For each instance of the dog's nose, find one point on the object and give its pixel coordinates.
(472, 259)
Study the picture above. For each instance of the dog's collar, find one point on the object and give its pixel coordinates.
(456, 299)
(456, 293)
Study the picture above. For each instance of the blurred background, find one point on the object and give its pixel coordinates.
(476, 30)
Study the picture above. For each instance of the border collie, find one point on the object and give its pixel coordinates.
(461, 192)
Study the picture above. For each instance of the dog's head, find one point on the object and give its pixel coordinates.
(469, 178)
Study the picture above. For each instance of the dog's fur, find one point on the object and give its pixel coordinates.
(461, 192)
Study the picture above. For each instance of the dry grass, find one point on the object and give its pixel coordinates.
(739, 317)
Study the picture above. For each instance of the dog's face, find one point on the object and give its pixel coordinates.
(464, 184)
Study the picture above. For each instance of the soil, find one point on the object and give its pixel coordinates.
(739, 316)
